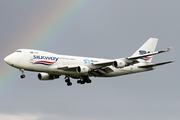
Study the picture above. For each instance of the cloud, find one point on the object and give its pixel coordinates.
(22, 116)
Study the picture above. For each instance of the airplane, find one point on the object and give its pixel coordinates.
(51, 65)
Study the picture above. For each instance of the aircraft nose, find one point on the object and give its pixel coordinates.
(7, 59)
(10, 59)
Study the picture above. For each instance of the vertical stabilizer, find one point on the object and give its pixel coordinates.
(148, 47)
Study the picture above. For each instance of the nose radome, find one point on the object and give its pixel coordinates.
(6, 59)
(10, 59)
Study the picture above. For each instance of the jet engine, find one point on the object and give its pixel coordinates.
(82, 69)
(119, 64)
(46, 76)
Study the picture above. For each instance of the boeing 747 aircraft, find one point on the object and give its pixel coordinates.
(51, 65)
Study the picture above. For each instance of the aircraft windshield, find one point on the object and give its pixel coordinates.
(18, 50)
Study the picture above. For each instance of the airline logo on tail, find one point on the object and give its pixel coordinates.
(142, 52)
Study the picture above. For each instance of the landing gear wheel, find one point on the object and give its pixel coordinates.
(22, 76)
(79, 81)
(69, 83)
(83, 82)
(67, 80)
(88, 81)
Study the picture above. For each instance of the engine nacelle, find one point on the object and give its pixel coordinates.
(119, 64)
(82, 69)
(46, 76)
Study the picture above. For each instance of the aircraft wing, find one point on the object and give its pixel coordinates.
(154, 65)
(69, 68)
(100, 68)
(149, 54)
(103, 64)
(100, 71)
(95, 65)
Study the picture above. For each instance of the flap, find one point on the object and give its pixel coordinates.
(100, 71)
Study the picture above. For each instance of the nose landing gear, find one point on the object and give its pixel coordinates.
(23, 75)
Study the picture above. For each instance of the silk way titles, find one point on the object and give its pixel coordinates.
(45, 57)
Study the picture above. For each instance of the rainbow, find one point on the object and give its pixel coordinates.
(61, 14)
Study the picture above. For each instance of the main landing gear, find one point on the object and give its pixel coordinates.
(67, 80)
(22, 75)
(85, 79)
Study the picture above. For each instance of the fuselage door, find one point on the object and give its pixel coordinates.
(31, 59)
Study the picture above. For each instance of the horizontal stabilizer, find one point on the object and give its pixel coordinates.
(154, 65)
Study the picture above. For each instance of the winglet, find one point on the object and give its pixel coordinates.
(169, 48)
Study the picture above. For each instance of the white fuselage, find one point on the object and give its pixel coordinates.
(51, 65)
(40, 61)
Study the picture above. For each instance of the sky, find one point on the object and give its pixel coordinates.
(93, 28)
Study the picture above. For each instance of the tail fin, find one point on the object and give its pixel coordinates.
(147, 47)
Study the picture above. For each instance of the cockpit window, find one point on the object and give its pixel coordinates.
(18, 51)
